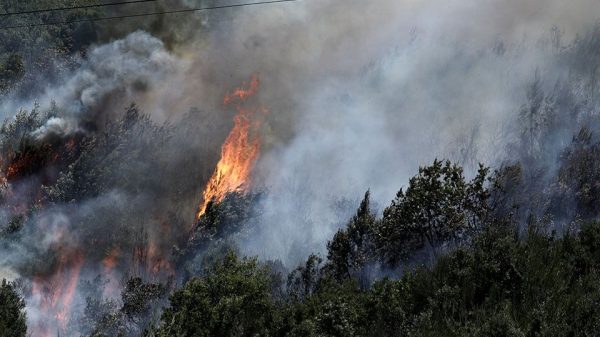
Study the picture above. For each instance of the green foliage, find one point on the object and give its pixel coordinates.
(499, 284)
(15, 224)
(536, 117)
(16, 131)
(102, 318)
(217, 230)
(11, 71)
(138, 296)
(336, 309)
(484, 277)
(304, 280)
(12, 312)
(234, 299)
(438, 207)
(353, 247)
(227, 217)
(137, 312)
(112, 158)
(578, 178)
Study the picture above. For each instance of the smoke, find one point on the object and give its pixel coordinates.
(123, 71)
(359, 95)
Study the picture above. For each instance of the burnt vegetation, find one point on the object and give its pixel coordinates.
(510, 251)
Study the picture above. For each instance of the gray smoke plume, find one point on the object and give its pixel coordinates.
(361, 94)
(112, 74)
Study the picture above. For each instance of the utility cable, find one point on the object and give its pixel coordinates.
(57, 9)
(188, 10)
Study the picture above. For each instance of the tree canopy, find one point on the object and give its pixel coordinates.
(12, 312)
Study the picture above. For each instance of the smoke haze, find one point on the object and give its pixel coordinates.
(359, 93)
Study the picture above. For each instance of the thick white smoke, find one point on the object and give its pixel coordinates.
(112, 76)
(371, 90)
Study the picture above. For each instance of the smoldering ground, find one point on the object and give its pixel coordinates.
(360, 94)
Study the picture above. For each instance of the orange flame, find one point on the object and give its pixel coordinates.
(240, 150)
(110, 261)
(109, 264)
(56, 294)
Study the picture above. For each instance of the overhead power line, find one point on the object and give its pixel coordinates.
(187, 10)
(57, 9)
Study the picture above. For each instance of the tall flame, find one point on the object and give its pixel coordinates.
(54, 295)
(240, 150)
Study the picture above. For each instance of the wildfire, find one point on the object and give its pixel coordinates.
(56, 294)
(240, 150)
(16, 168)
(109, 264)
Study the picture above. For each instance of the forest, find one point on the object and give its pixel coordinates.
(223, 173)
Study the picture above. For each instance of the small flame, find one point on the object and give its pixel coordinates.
(242, 94)
(240, 150)
(109, 263)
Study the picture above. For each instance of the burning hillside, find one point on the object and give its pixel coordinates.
(240, 150)
(57, 280)
(147, 190)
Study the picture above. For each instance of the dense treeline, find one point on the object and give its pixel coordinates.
(490, 277)
(466, 268)
(504, 282)
(498, 285)
(448, 256)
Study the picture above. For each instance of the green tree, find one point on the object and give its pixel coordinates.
(304, 280)
(336, 309)
(11, 71)
(353, 247)
(439, 206)
(579, 178)
(12, 312)
(234, 299)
